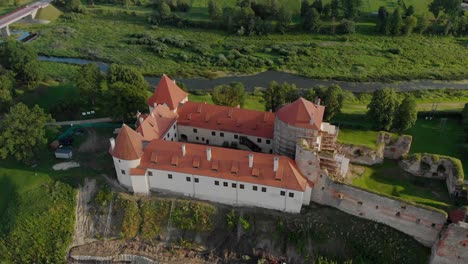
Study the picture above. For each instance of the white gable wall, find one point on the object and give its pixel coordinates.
(122, 169)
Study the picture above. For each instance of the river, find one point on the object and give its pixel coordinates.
(264, 78)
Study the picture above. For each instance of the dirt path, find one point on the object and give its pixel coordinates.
(91, 143)
(83, 225)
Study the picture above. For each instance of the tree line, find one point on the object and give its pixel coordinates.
(387, 111)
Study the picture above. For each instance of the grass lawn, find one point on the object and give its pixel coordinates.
(388, 178)
(355, 57)
(431, 137)
(367, 138)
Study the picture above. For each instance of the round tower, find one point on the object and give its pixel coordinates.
(299, 120)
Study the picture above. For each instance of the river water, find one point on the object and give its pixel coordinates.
(264, 78)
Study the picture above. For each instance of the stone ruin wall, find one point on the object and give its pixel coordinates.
(434, 167)
(452, 246)
(388, 148)
(424, 224)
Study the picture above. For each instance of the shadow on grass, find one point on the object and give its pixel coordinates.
(424, 191)
(8, 203)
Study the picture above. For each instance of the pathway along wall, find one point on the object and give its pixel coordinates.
(422, 223)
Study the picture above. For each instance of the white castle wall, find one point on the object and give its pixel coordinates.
(171, 134)
(232, 194)
(204, 136)
(122, 169)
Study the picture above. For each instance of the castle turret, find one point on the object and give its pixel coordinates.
(167, 93)
(126, 152)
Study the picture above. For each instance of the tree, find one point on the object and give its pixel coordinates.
(232, 94)
(215, 10)
(22, 60)
(164, 11)
(88, 81)
(125, 100)
(396, 22)
(436, 6)
(465, 121)
(6, 89)
(406, 114)
(410, 24)
(119, 73)
(333, 101)
(381, 109)
(22, 132)
(274, 96)
(347, 26)
(423, 24)
(409, 11)
(305, 6)
(284, 19)
(335, 8)
(318, 4)
(312, 21)
(290, 91)
(383, 25)
(351, 8)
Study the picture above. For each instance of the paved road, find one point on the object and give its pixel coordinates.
(81, 122)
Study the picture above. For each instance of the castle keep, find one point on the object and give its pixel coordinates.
(242, 157)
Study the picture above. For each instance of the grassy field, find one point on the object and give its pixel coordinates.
(389, 179)
(50, 13)
(367, 138)
(354, 57)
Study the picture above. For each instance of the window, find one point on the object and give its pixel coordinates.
(174, 126)
(259, 140)
(123, 172)
(169, 176)
(360, 203)
(197, 138)
(398, 214)
(254, 188)
(195, 130)
(202, 139)
(282, 193)
(268, 141)
(150, 173)
(234, 185)
(188, 179)
(216, 183)
(241, 186)
(236, 136)
(221, 134)
(225, 184)
(119, 161)
(196, 180)
(433, 225)
(263, 189)
(291, 195)
(213, 133)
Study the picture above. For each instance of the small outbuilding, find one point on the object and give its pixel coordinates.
(64, 153)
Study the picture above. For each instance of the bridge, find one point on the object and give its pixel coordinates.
(27, 13)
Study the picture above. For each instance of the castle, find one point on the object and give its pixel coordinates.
(225, 154)
(280, 161)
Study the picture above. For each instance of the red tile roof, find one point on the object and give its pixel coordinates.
(456, 216)
(128, 144)
(300, 113)
(157, 123)
(224, 118)
(225, 163)
(167, 92)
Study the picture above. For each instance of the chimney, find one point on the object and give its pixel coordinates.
(138, 114)
(112, 143)
(141, 120)
(152, 115)
(155, 104)
(251, 160)
(208, 154)
(317, 101)
(174, 82)
(275, 164)
(184, 150)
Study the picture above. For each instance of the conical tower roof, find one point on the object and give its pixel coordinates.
(128, 145)
(302, 113)
(167, 92)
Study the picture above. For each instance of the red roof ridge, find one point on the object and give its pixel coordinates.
(128, 144)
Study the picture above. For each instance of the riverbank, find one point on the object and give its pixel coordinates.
(359, 57)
